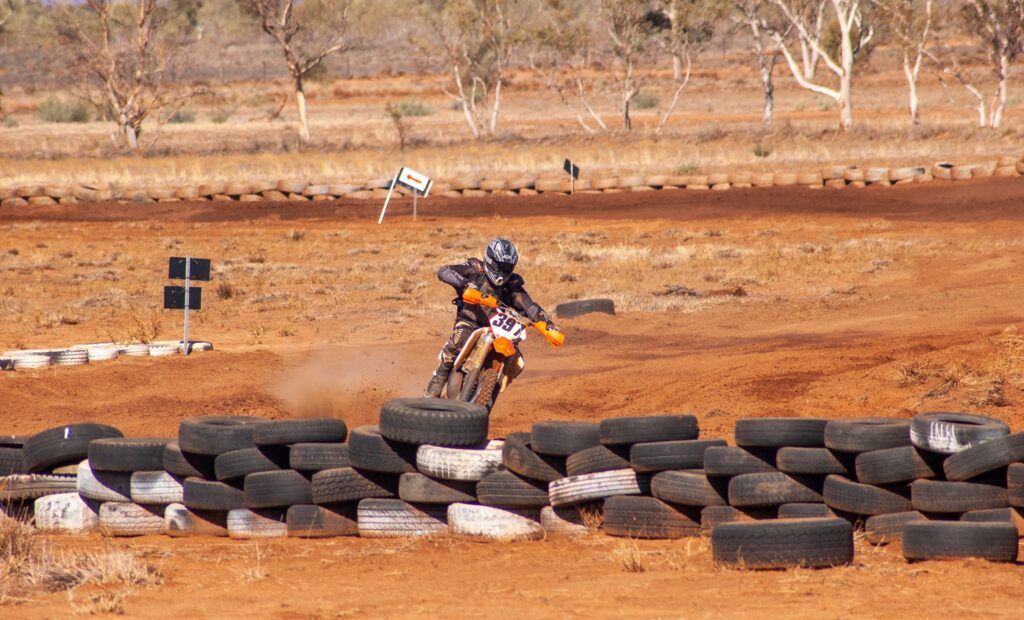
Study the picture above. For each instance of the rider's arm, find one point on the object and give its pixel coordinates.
(524, 303)
(456, 276)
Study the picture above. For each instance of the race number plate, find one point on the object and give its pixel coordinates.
(506, 326)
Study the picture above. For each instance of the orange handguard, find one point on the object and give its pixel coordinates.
(473, 296)
(555, 337)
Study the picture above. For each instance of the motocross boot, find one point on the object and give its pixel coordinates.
(438, 381)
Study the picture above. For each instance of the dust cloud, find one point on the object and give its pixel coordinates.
(350, 384)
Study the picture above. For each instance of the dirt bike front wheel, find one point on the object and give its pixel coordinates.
(487, 388)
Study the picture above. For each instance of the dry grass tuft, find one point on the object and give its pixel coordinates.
(630, 557)
(255, 571)
(591, 515)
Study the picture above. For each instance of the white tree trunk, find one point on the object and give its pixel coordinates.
(999, 100)
(131, 137)
(910, 72)
(300, 101)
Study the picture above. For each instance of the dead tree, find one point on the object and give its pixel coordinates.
(910, 22)
(631, 34)
(756, 16)
(122, 57)
(691, 26)
(853, 34)
(997, 29)
(476, 40)
(304, 41)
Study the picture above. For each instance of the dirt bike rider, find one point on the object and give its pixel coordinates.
(492, 276)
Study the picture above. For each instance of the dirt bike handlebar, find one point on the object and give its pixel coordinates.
(474, 296)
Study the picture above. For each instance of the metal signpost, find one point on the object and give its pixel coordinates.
(418, 184)
(186, 297)
(574, 173)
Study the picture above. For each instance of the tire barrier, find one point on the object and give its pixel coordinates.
(948, 485)
(81, 354)
(832, 177)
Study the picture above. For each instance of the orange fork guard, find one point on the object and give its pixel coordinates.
(555, 337)
(473, 296)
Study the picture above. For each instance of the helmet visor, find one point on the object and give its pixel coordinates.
(499, 271)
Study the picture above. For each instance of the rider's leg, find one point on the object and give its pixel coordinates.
(460, 333)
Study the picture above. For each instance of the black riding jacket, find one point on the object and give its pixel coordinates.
(511, 293)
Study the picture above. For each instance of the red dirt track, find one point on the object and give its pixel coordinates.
(933, 328)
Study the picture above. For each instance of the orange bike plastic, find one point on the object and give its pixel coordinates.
(473, 296)
(504, 346)
(555, 337)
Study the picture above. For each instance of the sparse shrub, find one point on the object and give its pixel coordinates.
(55, 110)
(295, 235)
(225, 290)
(413, 107)
(181, 117)
(645, 101)
(221, 115)
(10, 122)
(761, 150)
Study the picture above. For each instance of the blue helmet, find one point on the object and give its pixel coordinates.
(500, 260)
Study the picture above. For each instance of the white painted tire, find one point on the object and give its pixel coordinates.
(66, 513)
(181, 522)
(591, 487)
(200, 345)
(31, 486)
(163, 350)
(102, 354)
(71, 357)
(135, 350)
(490, 524)
(155, 487)
(393, 518)
(246, 524)
(562, 522)
(29, 362)
(105, 486)
(130, 519)
(459, 464)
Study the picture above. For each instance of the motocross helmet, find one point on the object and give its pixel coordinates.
(500, 260)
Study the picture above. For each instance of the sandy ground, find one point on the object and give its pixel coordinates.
(881, 303)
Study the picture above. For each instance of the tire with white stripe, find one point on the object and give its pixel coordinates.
(394, 518)
(130, 519)
(590, 487)
(490, 524)
(459, 463)
(247, 524)
(66, 513)
(104, 486)
(32, 486)
(156, 487)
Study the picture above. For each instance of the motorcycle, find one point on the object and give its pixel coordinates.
(490, 359)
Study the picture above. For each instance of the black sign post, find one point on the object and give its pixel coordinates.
(186, 297)
(574, 173)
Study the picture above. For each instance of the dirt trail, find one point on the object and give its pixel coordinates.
(936, 329)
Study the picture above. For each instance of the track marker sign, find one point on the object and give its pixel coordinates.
(186, 297)
(417, 183)
(574, 173)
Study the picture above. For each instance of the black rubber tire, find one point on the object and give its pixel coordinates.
(417, 488)
(626, 431)
(434, 421)
(371, 451)
(504, 488)
(949, 433)
(866, 434)
(955, 497)
(518, 456)
(562, 438)
(713, 516)
(318, 456)
(277, 489)
(729, 461)
(769, 489)
(809, 543)
(804, 510)
(781, 432)
(311, 430)
(994, 515)
(347, 484)
(593, 460)
(646, 517)
(1015, 485)
(127, 454)
(689, 488)
(668, 455)
(310, 521)
(942, 540)
(186, 464)
(486, 388)
(213, 435)
(63, 445)
(238, 464)
(580, 307)
(983, 458)
(816, 461)
(11, 461)
(863, 499)
(895, 465)
(887, 528)
(199, 494)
